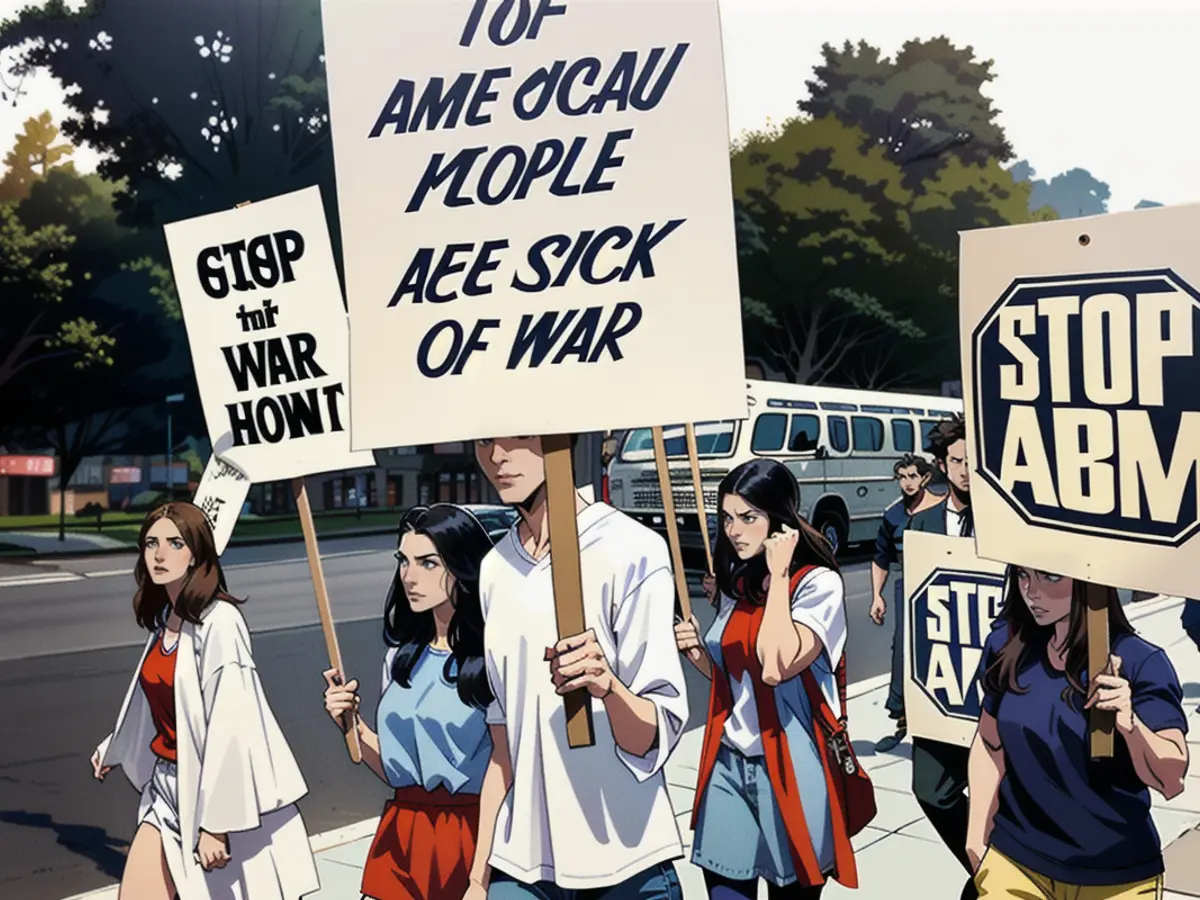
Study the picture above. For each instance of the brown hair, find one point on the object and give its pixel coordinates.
(1026, 639)
(204, 582)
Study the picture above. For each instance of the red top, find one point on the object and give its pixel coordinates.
(158, 683)
(739, 650)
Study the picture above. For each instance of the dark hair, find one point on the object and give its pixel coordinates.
(204, 581)
(945, 433)
(911, 460)
(1027, 640)
(462, 543)
(772, 490)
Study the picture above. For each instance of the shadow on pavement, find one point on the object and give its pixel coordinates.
(88, 841)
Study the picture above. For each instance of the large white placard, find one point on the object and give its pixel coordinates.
(1082, 387)
(536, 210)
(220, 495)
(268, 334)
(952, 598)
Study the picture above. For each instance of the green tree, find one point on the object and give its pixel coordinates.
(202, 105)
(922, 107)
(821, 224)
(36, 151)
(1071, 194)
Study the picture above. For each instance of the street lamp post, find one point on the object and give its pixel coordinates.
(171, 398)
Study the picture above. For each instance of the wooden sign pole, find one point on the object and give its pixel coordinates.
(689, 431)
(1101, 723)
(668, 503)
(349, 721)
(563, 525)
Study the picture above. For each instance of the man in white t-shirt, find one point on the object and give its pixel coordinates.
(557, 819)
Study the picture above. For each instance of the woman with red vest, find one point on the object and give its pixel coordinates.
(763, 799)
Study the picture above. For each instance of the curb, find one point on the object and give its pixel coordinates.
(234, 542)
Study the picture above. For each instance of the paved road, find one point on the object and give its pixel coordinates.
(66, 653)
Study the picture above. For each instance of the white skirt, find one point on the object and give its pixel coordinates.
(273, 862)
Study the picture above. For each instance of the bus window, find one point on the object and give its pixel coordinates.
(927, 426)
(868, 434)
(805, 433)
(769, 429)
(713, 439)
(839, 435)
(902, 436)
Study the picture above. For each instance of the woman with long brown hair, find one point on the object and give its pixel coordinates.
(217, 818)
(1045, 819)
(768, 804)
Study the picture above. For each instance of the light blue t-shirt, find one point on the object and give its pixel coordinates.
(427, 735)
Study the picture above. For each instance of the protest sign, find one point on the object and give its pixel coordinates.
(951, 599)
(1081, 373)
(268, 335)
(536, 209)
(220, 496)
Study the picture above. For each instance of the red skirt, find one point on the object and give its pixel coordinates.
(424, 846)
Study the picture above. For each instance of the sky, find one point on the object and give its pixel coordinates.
(1093, 84)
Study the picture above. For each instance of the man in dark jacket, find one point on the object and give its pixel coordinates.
(940, 770)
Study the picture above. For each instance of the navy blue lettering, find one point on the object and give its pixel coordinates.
(627, 84)
(435, 176)
(517, 30)
(483, 264)
(647, 240)
(538, 339)
(615, 329)
(414, 278)
(545, 9)
(517, 153)
(484, 93)
(436, 108)
(620, 237)
(474, 342)
(549, 156)
(472, 25)
(582, 251)
(557, 244)
(423, 351)
(446, 266)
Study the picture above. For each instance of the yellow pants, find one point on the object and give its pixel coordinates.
(999, 878)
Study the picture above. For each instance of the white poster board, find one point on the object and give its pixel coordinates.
(536, 209)
(1082, 384)
(951, 599)
(268, 335)
(220, 495)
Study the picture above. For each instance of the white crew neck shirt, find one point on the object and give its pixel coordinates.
(591, 817)
(954, 519)
(818, 603)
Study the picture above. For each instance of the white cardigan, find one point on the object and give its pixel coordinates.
(236, 773)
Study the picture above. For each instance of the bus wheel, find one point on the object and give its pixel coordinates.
(833, 525)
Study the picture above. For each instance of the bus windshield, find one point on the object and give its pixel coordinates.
(712, 439)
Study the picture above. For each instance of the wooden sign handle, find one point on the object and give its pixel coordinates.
(349, 720)
(689, 431)
(564, 570)
(668, 503)
(1101, 723)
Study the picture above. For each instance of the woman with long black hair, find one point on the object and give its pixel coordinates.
(1045, 819)
(763, 801)
(432, 744)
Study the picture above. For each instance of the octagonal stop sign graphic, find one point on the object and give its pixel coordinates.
(1086, 402)
(952, 615)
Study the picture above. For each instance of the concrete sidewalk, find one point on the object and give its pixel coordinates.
(899, 855)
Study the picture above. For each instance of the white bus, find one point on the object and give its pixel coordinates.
(840, 444)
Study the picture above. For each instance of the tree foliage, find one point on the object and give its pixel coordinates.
(922, 107)
(36, 151)
(197, 106)
(1071, 194)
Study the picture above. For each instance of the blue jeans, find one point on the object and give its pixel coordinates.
(658, 882)
(895, 697)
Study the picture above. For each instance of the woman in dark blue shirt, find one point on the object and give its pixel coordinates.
(1047, 820)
